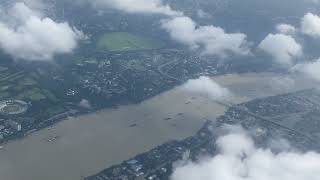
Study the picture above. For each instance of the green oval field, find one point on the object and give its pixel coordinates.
(123, 41)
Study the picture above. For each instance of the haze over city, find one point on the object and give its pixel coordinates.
(159, 89)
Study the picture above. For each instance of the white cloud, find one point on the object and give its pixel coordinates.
(311, 69)
(285, 29)
(213, 40)
(283, 48)
(137, 6)
(32, 37)
(310, 25)
(21, 12)
(206, 87)
(202, 14)
(239, 159)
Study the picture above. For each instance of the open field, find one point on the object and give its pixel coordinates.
(22, 86)
(123, 41)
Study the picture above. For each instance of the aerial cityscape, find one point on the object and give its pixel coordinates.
(159, 89)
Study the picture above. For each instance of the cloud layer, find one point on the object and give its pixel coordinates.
(204, 86)
(213, 40)
(239, 159)
(26, 35)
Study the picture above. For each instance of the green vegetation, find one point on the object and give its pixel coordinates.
(4, 88)
(27, 81)
(2, 69)
(54, 110)
(33, 94)
(23, 84)
(13, 77)
(4, 95)
(50, 96)
(123, 41)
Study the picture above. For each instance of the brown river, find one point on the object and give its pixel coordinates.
(81, 146)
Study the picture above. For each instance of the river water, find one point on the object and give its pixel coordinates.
(84, 145)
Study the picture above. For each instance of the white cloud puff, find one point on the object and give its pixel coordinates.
(137, 6)
(239, 159)
(283, 48)
(213, 40)
(310, 25)
(31, 37)
(206, 87)
(310, 70)
(285, 29)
